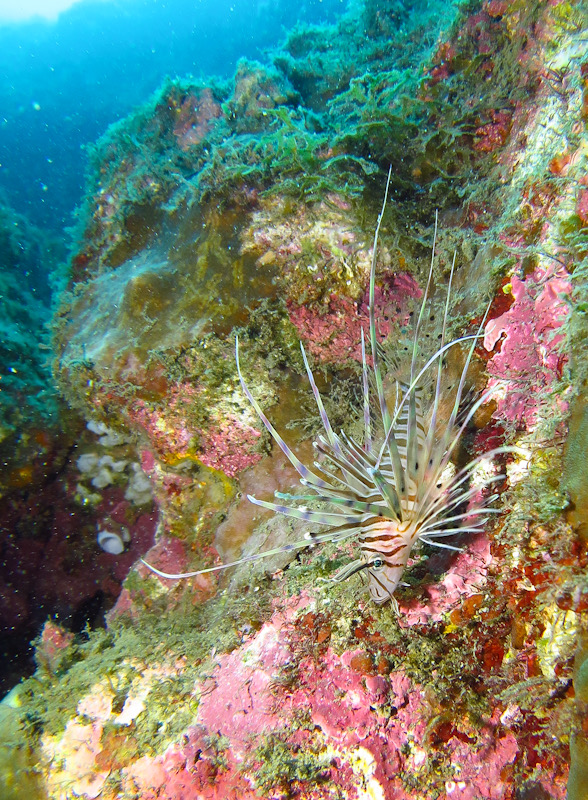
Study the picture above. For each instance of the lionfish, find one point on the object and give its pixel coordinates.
(397, 487)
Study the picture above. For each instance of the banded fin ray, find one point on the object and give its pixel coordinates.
(300, 468)
(320, 517)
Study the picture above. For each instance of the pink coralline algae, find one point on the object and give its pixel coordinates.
(225, 443)
(373, 731)
(187, 772)
(243, 714)
(229, 445)
(462, 575)
(332, 337)
(335, 335)
(196, 117)
(52, 649)
(353, 711)
(373, 726)
(169, 432)
(529, 360)
(493, 134)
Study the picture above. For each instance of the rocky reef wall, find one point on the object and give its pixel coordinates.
(248, 207)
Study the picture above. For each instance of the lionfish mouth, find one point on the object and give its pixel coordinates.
(394, 488)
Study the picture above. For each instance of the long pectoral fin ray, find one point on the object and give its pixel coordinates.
(246, 559)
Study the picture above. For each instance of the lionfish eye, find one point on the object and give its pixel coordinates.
(377, 563)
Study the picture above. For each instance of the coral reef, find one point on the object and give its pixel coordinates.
(249, 207)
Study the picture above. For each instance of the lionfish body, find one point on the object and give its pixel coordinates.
(397, 486)
(386, 494)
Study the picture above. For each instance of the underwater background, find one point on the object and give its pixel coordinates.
(175, 174)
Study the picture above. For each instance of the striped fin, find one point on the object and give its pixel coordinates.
(389, 441)
(464, 372)
(338, 534)
(324, 417)
(454, 531)
(440, 461)
(416, 382)
(349, 569)
(332, 438)
(430, 440)
(362, 456)
(389, 494)
(246, 559)
(342, 463)
(364, 461)
(451, 496)
(300, 468)
(442, 545)
(415, 439)
(474, 512)
(319, 517)
(356, 505)
(441, 450)
(409, 432)
(349, 494)
(367, 423)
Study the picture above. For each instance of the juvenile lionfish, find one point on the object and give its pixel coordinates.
(397, 487)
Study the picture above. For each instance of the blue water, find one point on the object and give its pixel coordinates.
(63, 83)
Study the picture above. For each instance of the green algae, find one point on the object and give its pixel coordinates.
(279, 765)
(267, 138)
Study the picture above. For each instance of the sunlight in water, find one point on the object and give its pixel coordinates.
(29, 9)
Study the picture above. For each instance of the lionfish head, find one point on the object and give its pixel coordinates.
(383, 580)
(384, 548)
